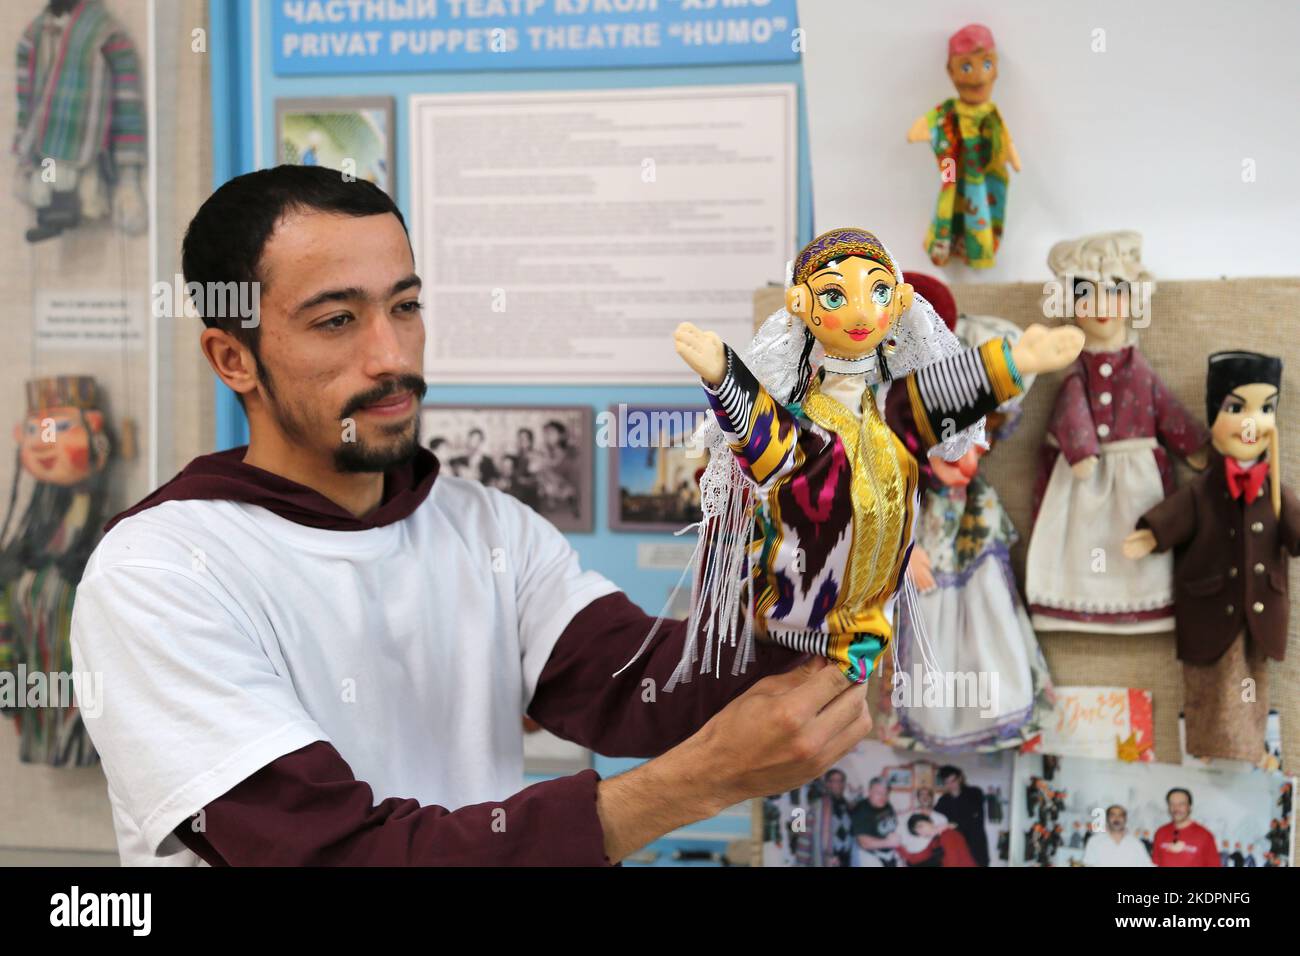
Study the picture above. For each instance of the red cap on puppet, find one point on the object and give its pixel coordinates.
(973, 36)
(937, 294)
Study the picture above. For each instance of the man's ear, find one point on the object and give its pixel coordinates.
(904, 298)
(798, 301)
(230, 359)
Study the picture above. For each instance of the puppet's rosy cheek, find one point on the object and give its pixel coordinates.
(830, 322)
(79, 457)
(882, 322)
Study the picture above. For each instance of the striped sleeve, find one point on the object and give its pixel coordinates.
(127, 130)
(763, 435)
(955, 393)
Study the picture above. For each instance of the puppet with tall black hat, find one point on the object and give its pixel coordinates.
(1233, 529)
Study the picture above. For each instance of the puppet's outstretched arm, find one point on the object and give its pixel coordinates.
(762, 434)
(954, 393)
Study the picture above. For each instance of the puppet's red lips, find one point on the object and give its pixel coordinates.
(858, 335)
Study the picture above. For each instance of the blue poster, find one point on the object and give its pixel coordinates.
(405, 36)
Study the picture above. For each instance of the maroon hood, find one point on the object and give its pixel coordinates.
(224, 476)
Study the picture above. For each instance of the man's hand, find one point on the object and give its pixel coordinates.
(702, 351)
(778, 735)
(783, 731)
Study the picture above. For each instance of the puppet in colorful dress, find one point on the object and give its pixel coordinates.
(972, 148)
(63, 444)
(809, 496)
(1106, 459)
(80, 140)
(968, 600)
(1232, 530)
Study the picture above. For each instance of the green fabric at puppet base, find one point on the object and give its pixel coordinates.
(969, 143)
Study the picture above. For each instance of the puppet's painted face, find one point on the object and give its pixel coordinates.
(1244, 426)
(849, 305)
(1102, 308)
(973, 74)
(61, 445)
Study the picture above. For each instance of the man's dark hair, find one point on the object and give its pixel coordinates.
(226, 237)
(835, 772)
(1182, 790)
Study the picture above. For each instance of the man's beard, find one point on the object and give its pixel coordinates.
(358, 456)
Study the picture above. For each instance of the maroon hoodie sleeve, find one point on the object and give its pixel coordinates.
(579, 699)
(307, 809)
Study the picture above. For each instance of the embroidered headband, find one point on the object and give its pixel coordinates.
(838, 244)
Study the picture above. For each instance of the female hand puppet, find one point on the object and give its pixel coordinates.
(1233, 530)
(810, 498)
(1104, 462)
(972, 148)
(64, 448)
(968, 602)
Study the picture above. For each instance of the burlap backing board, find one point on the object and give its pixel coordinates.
(1188, 321)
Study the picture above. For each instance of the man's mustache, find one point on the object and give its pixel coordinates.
(393, 386)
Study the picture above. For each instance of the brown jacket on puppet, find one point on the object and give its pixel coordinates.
(1232, 529)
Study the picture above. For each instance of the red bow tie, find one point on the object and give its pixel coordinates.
(1249, 480)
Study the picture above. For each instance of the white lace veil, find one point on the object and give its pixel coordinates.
(720, 562)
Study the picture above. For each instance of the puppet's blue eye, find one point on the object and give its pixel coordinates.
(988, 64)
(831, 298)
(965, 67)
(881, 294)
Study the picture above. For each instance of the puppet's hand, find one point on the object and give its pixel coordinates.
(1083, 468)
(1139, 544)
(129, 207)
(918, 569)
(1012, 155)
(919, 132)
(1041, 349)
(703, 352)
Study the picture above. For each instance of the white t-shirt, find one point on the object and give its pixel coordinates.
(1102, 850)
(227, 636)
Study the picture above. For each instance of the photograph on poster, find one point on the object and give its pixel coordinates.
(654, 474)
(1074, 811)
(352, 134)
(884, 807)
(538, 454)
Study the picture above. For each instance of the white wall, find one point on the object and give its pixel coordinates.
(1148, 135)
